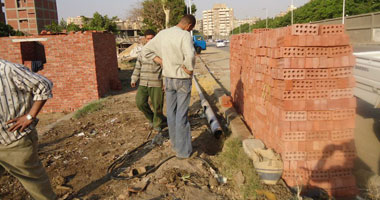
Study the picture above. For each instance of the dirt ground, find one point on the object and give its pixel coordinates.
(76, 154)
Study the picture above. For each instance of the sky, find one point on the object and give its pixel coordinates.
(120, 8)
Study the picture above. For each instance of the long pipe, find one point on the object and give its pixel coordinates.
(211, 118)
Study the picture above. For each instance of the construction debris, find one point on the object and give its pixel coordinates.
(130, 53)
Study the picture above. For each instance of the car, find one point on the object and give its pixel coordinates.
(199, 43)
(220, 43)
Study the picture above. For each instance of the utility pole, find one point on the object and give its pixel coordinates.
(189, 4)
(292, 8)
(190, 7)
(266, 22)
(344, 11)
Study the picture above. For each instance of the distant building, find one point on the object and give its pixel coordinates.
(208, 25)
(199, 25)
(250, 21)
(130, 27)
(283, 13)
(75, 20)
(31, 16)
(2, 15)
(218, 22)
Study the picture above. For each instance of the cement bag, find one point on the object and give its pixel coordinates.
(268, 165)
(250, 145)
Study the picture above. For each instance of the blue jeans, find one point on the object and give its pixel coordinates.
(178, 93)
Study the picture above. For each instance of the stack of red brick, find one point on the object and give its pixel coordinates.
(294, 87)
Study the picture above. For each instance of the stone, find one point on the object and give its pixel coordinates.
(213, 182)
(239, 178)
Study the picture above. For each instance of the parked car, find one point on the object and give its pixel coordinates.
(220, 43)
(199, 43)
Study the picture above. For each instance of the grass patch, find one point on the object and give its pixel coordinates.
(89, 108)
(232, 160)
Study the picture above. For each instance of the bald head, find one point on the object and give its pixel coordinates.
(187, 22)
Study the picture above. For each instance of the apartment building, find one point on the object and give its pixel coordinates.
(218, 22)
(208, 25)
(31, 16)
(75, 20)
(199, 25)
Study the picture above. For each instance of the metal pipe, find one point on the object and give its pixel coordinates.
(211, 118)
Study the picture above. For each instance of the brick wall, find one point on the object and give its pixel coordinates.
(71, 64)
(294, 87)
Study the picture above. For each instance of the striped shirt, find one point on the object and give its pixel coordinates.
(148, 72)
(19, 88)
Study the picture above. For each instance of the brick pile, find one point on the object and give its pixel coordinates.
(294, 88)
(82, 66)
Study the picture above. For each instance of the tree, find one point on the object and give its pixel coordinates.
(159, 14)
(319, 10)
(100, 23)
(166, 8)
(7, 30)
(54, 27)
(63, 23)
(72, 27)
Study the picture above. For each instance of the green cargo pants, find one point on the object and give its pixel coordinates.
(156, 117)
(21, 160)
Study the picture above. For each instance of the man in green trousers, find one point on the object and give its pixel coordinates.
(149, 73)
(22, 96)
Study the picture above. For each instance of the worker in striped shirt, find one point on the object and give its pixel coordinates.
(149, 73)
(22, 96)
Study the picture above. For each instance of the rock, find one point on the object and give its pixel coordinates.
(61, 187)
(163, 181)
(105, 153)
(80, 134)
(213, 182)
(239, 178)
(204, 187)
(122, 197)
(58, 180)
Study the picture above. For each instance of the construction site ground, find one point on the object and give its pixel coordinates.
(77, 152)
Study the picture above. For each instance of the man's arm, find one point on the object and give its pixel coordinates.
(150, 50)
(22, 122)
(41, 88)
(189, 54)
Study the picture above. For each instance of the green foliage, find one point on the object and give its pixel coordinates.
(72, 27)
(89, 108)
(154, 16)
(100, 23)
(317, 10)
(7, 30)
(54, 27)
(63, 23)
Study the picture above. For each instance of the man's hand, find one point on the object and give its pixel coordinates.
(133, 85)
(20, 124)
(187, 71)
(157, 60)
